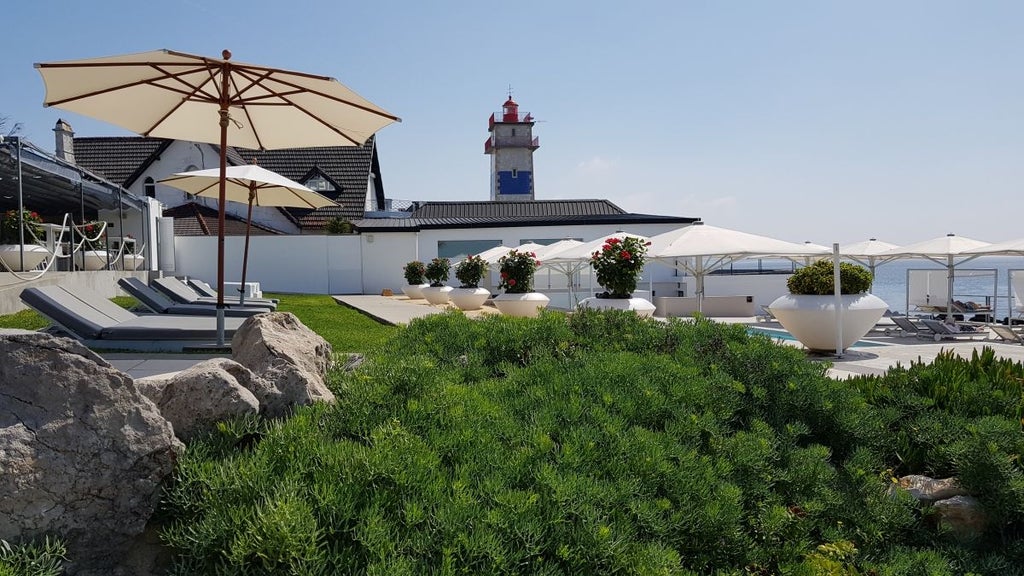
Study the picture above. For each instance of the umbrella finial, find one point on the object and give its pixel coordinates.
(226, 54)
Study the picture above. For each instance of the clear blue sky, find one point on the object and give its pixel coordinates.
(805, 120)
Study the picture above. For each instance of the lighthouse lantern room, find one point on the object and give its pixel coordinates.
(510, 146)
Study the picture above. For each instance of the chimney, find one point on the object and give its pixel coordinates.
(65, 147)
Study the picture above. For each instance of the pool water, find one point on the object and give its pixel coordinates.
(783, 335)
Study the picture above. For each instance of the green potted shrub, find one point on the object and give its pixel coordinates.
(469, 295)
(517, 270)
(808, 312)
(415, 279)
(437, 272)
(617, 265)
(16, 257)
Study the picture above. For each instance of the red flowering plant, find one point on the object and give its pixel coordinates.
(618, 265)
(517, 269)
(470, 271)
(437, 271)
(10, 228)
(414, 272)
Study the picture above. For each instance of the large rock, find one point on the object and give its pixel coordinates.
(928, 490)
(82, 452)
(963, 515)
(290, 357)
(213, 390)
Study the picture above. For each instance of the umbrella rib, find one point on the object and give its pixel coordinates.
(187, 95)
(149, 81)
(248, 117)
(308, 90)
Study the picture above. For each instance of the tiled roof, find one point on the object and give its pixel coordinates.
(193, 219)
(347, 166)
(122, 159)
(117, 158)
(413, 224)
(527, 209)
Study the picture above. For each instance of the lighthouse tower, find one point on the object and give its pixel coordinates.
(511, 145)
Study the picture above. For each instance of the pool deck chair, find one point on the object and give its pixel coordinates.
(201, 288)
(99, 323)
(943, 331)
(161, 304)
(180, 292)
(1007, 333)
(908, 327)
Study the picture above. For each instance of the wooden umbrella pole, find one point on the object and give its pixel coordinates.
(245, 255)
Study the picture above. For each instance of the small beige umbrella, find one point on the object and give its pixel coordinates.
(250, 184)
(166, 94)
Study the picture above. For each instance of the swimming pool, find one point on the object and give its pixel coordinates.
(783, 335)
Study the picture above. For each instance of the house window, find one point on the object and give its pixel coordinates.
(456, 250)
(150, 187)
(513, 131)
(515, 173)
(319, 184)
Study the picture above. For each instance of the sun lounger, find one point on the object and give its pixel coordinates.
(909, 328)
(1007, 333)
(766, 315)
(944, 331)
(161, 304)
(99, 323)
(199, 291)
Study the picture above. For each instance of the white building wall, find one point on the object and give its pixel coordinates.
(181, 156)
(322, 264)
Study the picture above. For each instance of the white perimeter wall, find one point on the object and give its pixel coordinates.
(370, 262)
(298, 264)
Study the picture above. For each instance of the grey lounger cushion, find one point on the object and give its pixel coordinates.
(92, 317)
(161, 304)
(180, 292)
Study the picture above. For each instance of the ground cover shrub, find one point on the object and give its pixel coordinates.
(959, 417)
(595, 443)
(41, 558)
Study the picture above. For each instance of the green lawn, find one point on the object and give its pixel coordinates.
(346, 329)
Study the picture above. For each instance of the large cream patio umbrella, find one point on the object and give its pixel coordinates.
(250, 184)
(700, 249)
(168, 94)
(948, 250)
(868, 253)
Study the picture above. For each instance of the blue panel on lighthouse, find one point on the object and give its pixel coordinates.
(519, 184)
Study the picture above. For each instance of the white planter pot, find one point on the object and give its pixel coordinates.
(414, 291)
(528, 305)
(437, 294)
(639, 305)
(811, 319)
(133, 261)
(469, 298)
(95, 259)
(11, 255)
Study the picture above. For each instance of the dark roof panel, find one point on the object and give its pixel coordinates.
(528, 209)
(414, 224)
(116, 158)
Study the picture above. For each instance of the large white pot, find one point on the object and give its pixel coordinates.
(811, 319)
(469, 298)
(528, 305)
(133, 261)
(437, 294)
(11, 255)
(641, 306)
(95, 259)
(414, 291)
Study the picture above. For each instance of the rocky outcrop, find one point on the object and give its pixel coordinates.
(954, 508)
(288, 357)
(195, 399)
(83, 453)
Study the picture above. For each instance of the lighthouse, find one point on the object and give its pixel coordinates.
(510, 146)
